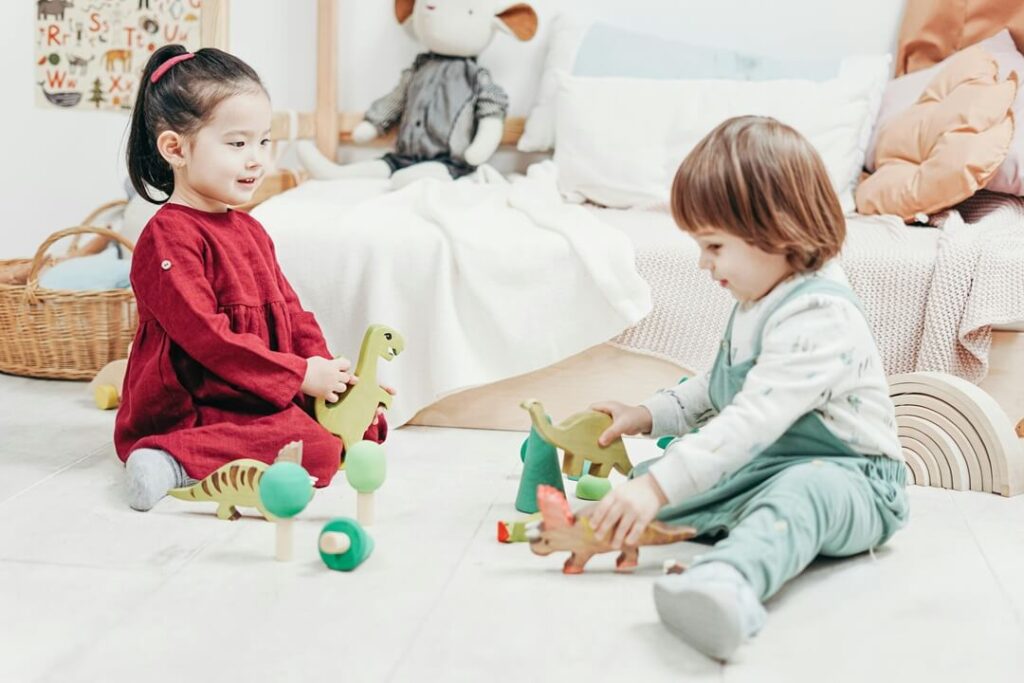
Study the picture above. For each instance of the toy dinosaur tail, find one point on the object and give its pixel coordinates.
(659, 533)
(236, 476)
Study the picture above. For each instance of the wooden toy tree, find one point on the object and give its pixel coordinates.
(285, 491)
(365, 467)
(344, 544)
(540, 466)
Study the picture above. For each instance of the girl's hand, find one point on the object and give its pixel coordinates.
(380, 408)
(327, 378)
(628, 509)
(625, 420)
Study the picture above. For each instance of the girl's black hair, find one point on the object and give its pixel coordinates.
(182, 100)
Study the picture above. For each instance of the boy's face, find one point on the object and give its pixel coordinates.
(745, 270)
(227, 158)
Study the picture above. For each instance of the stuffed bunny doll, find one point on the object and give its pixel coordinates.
(450, 114)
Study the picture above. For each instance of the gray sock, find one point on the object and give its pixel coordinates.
(711, 606)
(151, 474)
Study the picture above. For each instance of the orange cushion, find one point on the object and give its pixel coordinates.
(935, 29)
(947, 145)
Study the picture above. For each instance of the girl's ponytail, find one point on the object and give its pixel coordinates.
(146, 168)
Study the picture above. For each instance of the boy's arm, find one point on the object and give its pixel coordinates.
(680, 409)
(804, 353)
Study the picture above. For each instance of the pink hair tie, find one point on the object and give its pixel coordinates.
(163, 68)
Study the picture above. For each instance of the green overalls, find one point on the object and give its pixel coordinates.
(807, 494)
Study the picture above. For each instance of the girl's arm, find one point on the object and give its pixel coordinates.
(680, 409)
(170, 281)
(805, 351)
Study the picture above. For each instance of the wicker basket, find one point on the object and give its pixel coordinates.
(63, 334)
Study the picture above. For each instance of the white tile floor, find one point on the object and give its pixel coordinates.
(91, 591)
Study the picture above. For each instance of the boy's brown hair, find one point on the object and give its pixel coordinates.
(760, 180)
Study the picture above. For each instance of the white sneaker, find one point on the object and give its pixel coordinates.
(712, 607)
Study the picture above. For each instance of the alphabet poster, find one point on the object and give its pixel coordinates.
(90, 53)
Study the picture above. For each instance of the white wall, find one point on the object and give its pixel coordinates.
(61, 164)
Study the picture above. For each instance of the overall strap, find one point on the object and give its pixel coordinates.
(727, 338)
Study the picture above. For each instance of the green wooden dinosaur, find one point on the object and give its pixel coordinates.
(237, 484)
(350, 416)
(577, 436)
(234, 484)
(561, 530)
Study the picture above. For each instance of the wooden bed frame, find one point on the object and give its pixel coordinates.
(603, 372)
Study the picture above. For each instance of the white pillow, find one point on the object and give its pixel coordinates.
(564, 39)
(580, 45)
(621, 140)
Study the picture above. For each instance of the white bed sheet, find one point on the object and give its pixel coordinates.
(485, 278)
(931, 294)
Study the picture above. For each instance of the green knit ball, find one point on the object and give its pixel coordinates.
(365, 466)
(362, 544)
(285, 489)
(592, 488)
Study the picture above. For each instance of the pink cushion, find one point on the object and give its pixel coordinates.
(904, 91)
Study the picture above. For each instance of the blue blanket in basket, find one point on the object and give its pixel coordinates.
(99, 271)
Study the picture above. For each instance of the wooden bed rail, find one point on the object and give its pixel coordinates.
(346, 121)
(326, 125)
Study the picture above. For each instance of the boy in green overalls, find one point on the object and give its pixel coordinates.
(788, 446)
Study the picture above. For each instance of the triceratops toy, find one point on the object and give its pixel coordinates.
(559, 529)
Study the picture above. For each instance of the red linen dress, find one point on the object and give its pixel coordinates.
(219, 356)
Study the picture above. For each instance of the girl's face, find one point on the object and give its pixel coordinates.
(745, 270)
(225, 160)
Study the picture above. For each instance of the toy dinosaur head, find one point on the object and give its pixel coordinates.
(555, 514)
(387, 340)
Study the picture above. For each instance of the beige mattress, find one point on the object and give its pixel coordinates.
(931, 294)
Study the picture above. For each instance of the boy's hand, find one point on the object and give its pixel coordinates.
(327, 378)
(628, 509)
(625, 420)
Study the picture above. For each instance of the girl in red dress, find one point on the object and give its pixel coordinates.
(225, 358)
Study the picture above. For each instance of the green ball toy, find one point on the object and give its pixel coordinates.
(285, 489)
(590, 487)
(365, 466)
(344, 544)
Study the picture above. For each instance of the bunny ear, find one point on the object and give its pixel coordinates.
(403, 9)
(520, 20)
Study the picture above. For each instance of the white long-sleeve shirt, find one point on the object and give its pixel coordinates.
(817, 354)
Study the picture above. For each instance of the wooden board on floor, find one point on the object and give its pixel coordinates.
(609, 372)
(1005, 380)
(604, 372)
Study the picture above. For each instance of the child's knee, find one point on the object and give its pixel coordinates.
(815, 485)
(813, 477)
(322, 459)
(377, 431)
